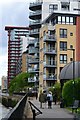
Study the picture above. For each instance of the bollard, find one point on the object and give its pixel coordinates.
(33, 114)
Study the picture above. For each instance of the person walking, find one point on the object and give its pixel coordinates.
(55, 98)
(49, 99)
(41, 99)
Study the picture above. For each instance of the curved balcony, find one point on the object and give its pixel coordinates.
(36, 23)
(34, 33)
(35, 15)
(35, 5)
(50, 64)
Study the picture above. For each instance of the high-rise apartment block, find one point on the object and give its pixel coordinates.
(48, 49)
(15, 48)
(58, 36)
(4, 84)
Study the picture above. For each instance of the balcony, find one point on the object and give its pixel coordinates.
(34, 5)
(50, 51)
(50, 76)
(33, 61)
(37, 12)
(50, 64)
(50, 38)
(36, 44)
(31, 51)
(36, 55)
(31, 42)
(33, 70)
(34, 31)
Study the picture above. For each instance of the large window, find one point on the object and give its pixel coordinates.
(63, 46)
(53, 7)
(63, 58)
(66, 20)
(63, 33)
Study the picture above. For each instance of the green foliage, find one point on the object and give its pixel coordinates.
(19, 82)
(8, 102)
(71, 90)
(56, 88)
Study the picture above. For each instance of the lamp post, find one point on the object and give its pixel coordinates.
(36, 85)
(73, 71)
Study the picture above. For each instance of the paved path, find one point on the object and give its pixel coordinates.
(55, 112)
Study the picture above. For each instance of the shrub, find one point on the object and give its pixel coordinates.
(71, 90)
(8, 102)
(56, 88)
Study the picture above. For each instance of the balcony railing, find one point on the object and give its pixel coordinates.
(50, 76)
(50, 50)
(31, 42)
(35, 3)
(50, 63)
(49, 38)
(33, 70)
(35, 13)
(33, 50)
(33, 60)
(35, 22)
(34, 31)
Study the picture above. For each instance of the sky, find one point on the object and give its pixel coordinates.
(14, 13)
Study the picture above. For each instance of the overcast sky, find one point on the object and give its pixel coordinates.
(15, 14)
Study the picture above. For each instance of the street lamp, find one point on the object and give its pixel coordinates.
(73, 71)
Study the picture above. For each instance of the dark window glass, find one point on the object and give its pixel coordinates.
(63, 33)
(63, 59)
(63, 46)
(71, 34)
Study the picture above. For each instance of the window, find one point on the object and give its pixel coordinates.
(63, 59)
(65, 6)
(63, 33)
(71, 46)
(63, 19)
(59, 19)
(53, 7)
(71, 34)
(63, 46)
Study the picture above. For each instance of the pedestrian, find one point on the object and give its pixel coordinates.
(41, 98)
(55, 98)
(45, 97)
(49, 99)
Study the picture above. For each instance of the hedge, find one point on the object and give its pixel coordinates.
(71, 91)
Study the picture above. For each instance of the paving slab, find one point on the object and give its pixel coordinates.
(55, 112)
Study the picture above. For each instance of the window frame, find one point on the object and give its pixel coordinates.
(62, 58)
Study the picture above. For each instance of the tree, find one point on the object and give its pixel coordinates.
(19, 82)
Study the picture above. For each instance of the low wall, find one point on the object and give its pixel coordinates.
(17, 113)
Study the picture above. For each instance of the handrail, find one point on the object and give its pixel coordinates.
(17, 112)
(33, 108)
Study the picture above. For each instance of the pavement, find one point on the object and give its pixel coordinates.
(55, 112)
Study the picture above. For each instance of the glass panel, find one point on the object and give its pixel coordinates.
(67, 19)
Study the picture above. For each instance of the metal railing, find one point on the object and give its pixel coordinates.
(17, 112)
(34, 109)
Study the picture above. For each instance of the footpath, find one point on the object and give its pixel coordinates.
(55, 112)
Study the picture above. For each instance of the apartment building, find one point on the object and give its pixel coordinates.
(59, 34)
(15, 49)
(4, 84)
(39, 11)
